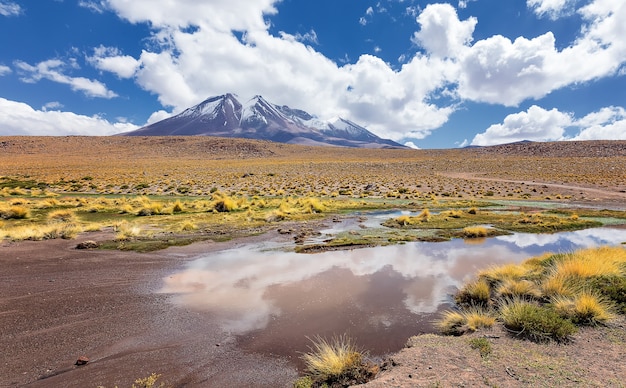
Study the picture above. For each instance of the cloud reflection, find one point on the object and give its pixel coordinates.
(240, 286)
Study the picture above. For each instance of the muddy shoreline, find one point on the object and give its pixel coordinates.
(59, 303)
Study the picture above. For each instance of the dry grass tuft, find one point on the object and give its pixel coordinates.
(337, 363)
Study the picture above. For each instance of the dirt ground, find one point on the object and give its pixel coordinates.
(596, 357)
(58, 303)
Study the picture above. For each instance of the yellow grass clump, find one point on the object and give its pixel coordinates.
(510, 288)
(586, 308)
(329, 360)
(42, 232)
(593, 262)
(475, 232)
(475, 293)
(61, 216)
(498, 274)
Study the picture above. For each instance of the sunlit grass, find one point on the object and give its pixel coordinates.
(585, 308)
(529, 320)
(336, 363)
(468, 319)
(510, 288)
(474, 293)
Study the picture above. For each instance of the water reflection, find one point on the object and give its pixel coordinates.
(376, 294)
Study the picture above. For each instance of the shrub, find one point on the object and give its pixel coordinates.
(584, 309)
(498, 274)
(477, 318)
(557, 285)
(424, 215)
(188, 226)
(225, 204)
(14, 212)
(510, 288)
(476, 293)
(61, 216)
(337, 362)
(178, 207)
(528, 320)
(451, 323)
(459, 322)
(475, 232)
(613, 288)
(482, 344)
(149, 382)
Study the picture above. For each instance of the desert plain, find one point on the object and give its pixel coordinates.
(152, 204)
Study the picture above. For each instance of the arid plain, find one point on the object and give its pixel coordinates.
(151, 203)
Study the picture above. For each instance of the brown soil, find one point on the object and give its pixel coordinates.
(58, 303)
(596, 357)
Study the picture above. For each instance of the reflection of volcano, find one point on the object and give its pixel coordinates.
(380, 295)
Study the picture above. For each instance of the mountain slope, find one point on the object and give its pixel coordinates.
(259, 119)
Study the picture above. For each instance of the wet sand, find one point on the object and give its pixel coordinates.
(59, 303)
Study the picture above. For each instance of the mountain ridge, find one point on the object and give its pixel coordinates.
(226, 116)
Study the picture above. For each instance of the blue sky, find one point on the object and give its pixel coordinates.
(427, 74)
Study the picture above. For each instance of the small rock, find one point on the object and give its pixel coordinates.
(89, 244)
(82, 360)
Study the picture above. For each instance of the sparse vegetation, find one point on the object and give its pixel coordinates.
(482, 345)
(335, 363)
(545, 297)
(529, 320)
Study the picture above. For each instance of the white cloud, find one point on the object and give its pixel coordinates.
(93, 5)
(17, 118)
(607, 124)
(442, 34)
(221, 15)
(111, 59)
(463, 3)
(553, 9)
(369, 11)
(186, 65)
(390, 103)
(53, 70)
(52, 105)
(9, 8)
(310, 36)
(362, 21)
(410, 144)
(536, 124)
(158, 116)
(498, 70)
(4, 70)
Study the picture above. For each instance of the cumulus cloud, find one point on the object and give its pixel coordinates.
(111, 59)
(158, 116)
(442, 34)
(53, 70)
(221, 15)
(4, 70)
(536, 124)
(17, 118)
(500, 71)
(391, 103)
(183, 65)
(608, 123)
(553, 9)
(9, 8)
